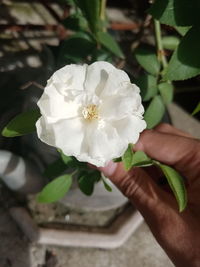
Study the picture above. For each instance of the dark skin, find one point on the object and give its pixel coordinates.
(177, 233)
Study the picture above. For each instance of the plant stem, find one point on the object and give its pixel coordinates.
(103, 12)
(161, 55)
(103, 9)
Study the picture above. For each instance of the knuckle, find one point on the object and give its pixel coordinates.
(131, 183)
(163, 127)
(196, 157)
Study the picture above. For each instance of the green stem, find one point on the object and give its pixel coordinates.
(103, 12)
(161, 55)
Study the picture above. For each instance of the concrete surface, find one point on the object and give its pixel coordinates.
(140, 250)
(184, 121)
(15, 251)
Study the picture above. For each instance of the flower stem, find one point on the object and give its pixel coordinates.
(103, 9)
(103, 13)
(161, 54)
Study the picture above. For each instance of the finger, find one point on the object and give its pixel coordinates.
(169, 129)
(138, 186)
(181, 152)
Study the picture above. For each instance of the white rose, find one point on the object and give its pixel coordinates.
(91, 112)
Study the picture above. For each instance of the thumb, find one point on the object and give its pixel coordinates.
(139, 187)
(179, 151)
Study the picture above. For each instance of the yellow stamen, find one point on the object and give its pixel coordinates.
(90, 112)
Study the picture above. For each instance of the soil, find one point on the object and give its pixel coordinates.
(61, 215)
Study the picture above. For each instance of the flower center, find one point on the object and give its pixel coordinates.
(90, 112)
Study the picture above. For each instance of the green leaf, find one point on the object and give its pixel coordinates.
(23, 123)
(170, 42)
(147, 58)
(55, 190)
(176, 12)
(102, 55)
(148, 86)
(106, 185)
(117, 159)
(140, 159)
(166, 90)
(69, 2)
(154, 112)
(197, 109)
(182, 30)
(91, 11)
(185, 61)
(127, 157)
(177, 185)
(96, 175)
(66, 159)
(107, 41)
(77, 48)
(86, 185)
(55, 169)
(75, 23)
(86, 181)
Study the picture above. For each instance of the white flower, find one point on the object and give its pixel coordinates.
(91, 112)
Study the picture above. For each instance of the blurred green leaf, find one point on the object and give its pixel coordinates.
(127, 157)
(170, 42)
(185, 61)
(55, 169)
(101, 55)
(91, 11)
(182, 30)
(87, 180)
(140, 159)
(96, 175)
(197, 109)
(148, 86)
(167, 91)
(155, 112)
(56, 189)
(86, 184)
(117, 159)
(66, 159)
(22, 124)
(77, 47)
(177, 185)
(106, 185)
(109, 42)
(176, 12)
(68, 2)
(147, 58)
(75, 22)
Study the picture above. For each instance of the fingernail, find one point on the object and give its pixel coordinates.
(109, 169)
(138, 146)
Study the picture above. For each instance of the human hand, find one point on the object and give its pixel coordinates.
(178, 233)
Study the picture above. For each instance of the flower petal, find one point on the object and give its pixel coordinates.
(129, 128)
(97, 75)
(69, 136)
(117, 83)
(45, 131)
(118, 107)
(69, 77)
(64, 134)
(104, 144)
(54, 106)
